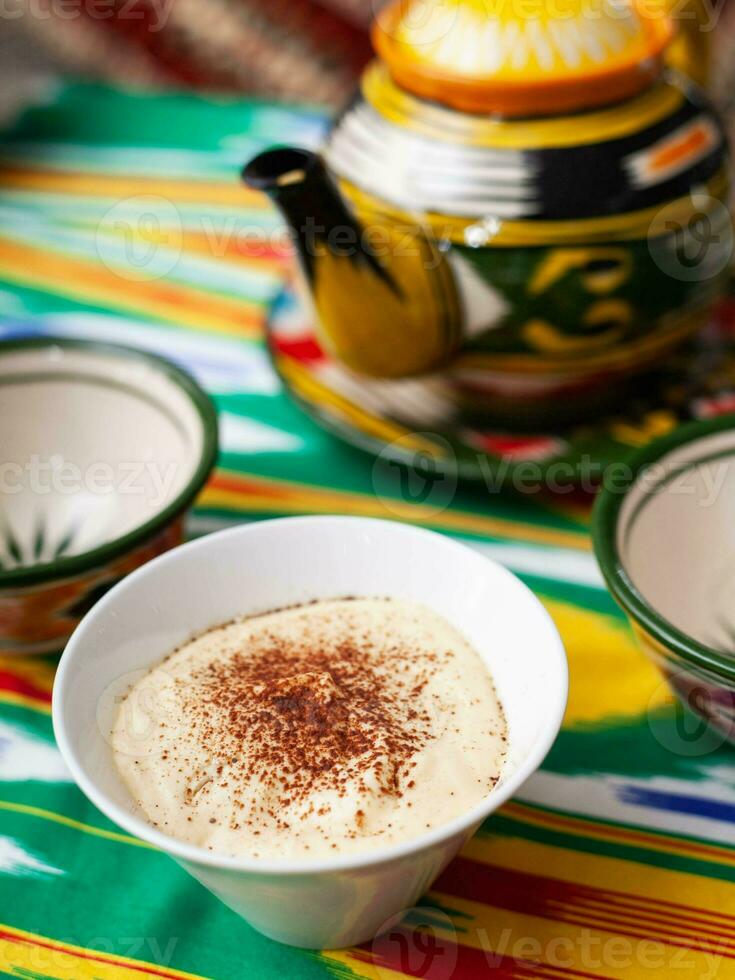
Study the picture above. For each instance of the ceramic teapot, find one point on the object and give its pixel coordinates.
(530, 205)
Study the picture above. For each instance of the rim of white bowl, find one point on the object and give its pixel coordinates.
(196, 855)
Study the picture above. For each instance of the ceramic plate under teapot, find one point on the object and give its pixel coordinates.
(411, 420)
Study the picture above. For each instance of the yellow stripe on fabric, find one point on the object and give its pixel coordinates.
(24, 701)
(118, 187)
(713, 897)
(224, 248)
(343, 964)
(591, 829)
(64, 821)
(602, 645)
(267, 495)
(39, 956)
(162, 299)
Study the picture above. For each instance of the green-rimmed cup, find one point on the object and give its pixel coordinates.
(664, 536)
(102, 450)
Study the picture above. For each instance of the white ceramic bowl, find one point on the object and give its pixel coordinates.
(258, 567)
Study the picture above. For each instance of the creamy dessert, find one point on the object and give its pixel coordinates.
(336, 727)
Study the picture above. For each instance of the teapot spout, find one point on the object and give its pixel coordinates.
(300, 186)
(377, 308)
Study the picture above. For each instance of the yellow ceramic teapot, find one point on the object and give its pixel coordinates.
(522, 197)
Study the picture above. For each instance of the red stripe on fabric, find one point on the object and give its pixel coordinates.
(19, 685)
(138, 28)
(398, 952)
(301, 349)
(724, 316)
(659, 928)
(544, 897)
(242, 484)
(319, 32)
(323, 28)
(653, 914)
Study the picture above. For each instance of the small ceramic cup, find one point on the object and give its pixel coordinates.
(254, 568)
(102, 449)
(665, 541)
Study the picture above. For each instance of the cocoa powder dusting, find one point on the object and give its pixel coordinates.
(302, 716)
(338, 725)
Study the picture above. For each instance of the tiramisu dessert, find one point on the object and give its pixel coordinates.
(337, 727)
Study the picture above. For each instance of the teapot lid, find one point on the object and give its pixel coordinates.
(523, 57)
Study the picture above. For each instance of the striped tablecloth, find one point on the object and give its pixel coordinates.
(616, 860)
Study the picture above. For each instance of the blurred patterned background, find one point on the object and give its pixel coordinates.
(294, 50)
